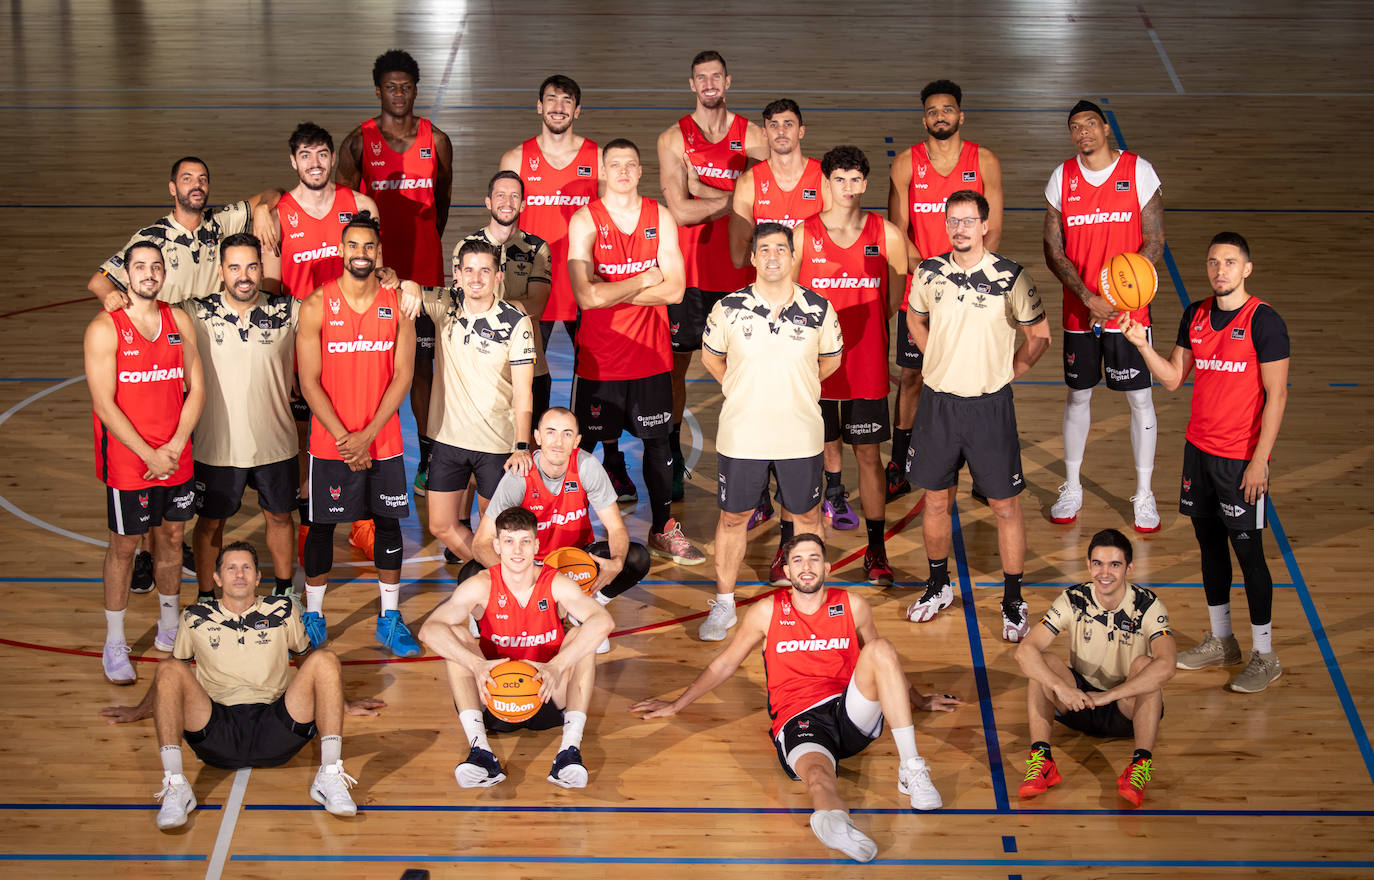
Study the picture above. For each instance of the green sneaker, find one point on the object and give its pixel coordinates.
(421, 482)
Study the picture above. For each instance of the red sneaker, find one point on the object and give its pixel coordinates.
(1132, 781)
(1041, 775)
(876, 568)
(363, 536)
(776, 575)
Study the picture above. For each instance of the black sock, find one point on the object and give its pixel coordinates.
(786, 529)
(875, 527)
(611, 456)
(1011, 588)
(939, 572)
(1142, 755)
(303, 510)
(1042, 747)
(426, 447)
(901, 442)
(833, 486)
(675, 442)
(283, 587)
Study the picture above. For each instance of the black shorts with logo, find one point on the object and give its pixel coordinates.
(951, 430)
(908, 355)
(219, 490)
(424, 337)
(1211, 487)
(856, 421)
(249, 735)
(1087, 356)
(687, 319)
(605, 407)
(741, 481)
(549, 715)
(135, 511)
(451, 466)
(338, 494)
(1105, 721)
(827, 725)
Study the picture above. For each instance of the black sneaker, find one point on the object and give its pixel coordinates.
(568, 771)
(451, 558)
(142, 579)
(897, 484)
(625, 491)
(480, 770)
(188, 561)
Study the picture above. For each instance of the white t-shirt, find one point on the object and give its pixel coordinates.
(1146, 180)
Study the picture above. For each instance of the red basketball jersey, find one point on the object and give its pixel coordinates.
(854, 279)
(310, 246)
(1228, 393)
(357, 361)
(563, 518)
(149, 390)
(624, 341)
(706, 246)
(789, 207)
(532, 631)
(928, 192)
(552, 196)
(402, 185)
(808, 659)
(1099, 223)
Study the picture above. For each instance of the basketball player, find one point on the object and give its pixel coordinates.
(242, 708)
(832, 682)
(1239, 346)
(1121, 654)
(699, 161)
(965, 312)
(919, 182)
(246, 435)
(354, 349)
(625, 267)
(858, 261)
(1102, 202)
(146, 395)
(770, 346)
(516, 604)
(405, 162)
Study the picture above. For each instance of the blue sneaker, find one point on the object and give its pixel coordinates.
(315, 628)
(394, 635)
(568, 771)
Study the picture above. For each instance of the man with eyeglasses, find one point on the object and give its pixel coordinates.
(965, 310)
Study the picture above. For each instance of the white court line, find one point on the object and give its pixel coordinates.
(695, 428)
(448, 69)
(1159, 47)
(229, 818)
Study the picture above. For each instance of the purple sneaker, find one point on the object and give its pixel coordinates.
(762, 514)
(842, 516)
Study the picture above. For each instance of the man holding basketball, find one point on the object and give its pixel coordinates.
(832, 682)
(517, 607)
(1239, 346)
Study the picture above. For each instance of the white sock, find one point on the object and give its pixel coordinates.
(1143, 437)
(602, 599)
(725, 599)
(473, 728)
(1078, 421)
(171, 759)
(114, 627)
(573, 725)
(314, 598)
(1221, 620)
(905, 737)
(1263, 634)
(168, 610)
(331, 747)
(391, 596)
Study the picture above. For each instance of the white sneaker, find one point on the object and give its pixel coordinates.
(931, 603)
(913, 778)
(1146, 513)
(720, 619)
(1065, 510)
(473, 628)
(1015, 630)
(177, 801)
(604, 647)
(835, 829)
(330, 790)
(114, 659)
(165, 639)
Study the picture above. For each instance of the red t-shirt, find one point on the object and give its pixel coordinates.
(357, 361)
(807, 659)
(927, 194)
(563, 518)
(552, 196)
(532, 631)
(309, 245)
(1099, 222)
(402, 185)
(854, 279)
(706, 246)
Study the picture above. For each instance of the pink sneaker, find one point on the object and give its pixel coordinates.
(672, 544)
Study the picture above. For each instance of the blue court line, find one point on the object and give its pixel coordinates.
(99, 857)
(94, 807)
(1177, 277)
(1008, 844)
(687, 860)
(1152, 585)
(980, 672)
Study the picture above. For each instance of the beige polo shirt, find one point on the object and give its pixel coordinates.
(247, 363)
(974, 318)
(772, 379)
(524, 258)
(242, 659)
(191, 258)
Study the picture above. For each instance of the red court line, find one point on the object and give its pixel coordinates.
(65, 302)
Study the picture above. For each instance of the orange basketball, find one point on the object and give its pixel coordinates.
(576, 564)
(1129, 282)
(515, 696)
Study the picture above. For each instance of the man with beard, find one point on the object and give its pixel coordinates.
(832, 682)
(786, 189)
(920, 181)
(146, 395)
(967, 307)
(355, 349)
(246, 435)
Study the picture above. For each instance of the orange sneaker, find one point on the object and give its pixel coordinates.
(1041, 775)
(363, 536)
(1132, 781)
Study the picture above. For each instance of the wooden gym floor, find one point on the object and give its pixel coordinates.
(1257, 118)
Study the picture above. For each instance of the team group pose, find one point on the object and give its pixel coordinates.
(270, 343)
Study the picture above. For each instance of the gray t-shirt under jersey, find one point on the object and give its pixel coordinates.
(510, 492)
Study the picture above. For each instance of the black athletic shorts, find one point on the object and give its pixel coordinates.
(856, 421)
(1099, 720)
(451, 466)
(549, 715)
(908, 355)
(1088, 356)
(827, 725)
(687, 319)
(135, 511)
(1211, 487)
(546, 331)
(742, 482)
(219, 490)
(604, 408)
(249, 735)
(424, 337)
(338, 494)
(951, 430)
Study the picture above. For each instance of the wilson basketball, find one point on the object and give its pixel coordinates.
(1129, 282)
(576, 564)
(515, 695)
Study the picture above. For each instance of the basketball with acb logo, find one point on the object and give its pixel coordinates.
(514, 692)
(1129, 282)
(576, 564)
